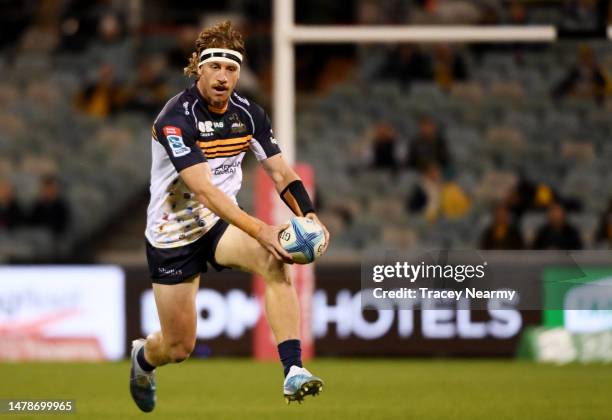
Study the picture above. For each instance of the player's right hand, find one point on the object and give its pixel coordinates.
(268, 238)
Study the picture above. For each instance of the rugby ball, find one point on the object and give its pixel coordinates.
(304, 240)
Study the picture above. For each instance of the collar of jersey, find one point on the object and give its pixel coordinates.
(194, 90)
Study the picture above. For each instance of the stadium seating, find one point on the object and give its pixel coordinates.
(502, 121)
(101, 165)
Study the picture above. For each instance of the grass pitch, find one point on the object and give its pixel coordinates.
(355, 389)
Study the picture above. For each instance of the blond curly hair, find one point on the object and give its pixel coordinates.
(222, 35)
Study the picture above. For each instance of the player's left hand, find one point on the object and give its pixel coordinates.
(314, 218)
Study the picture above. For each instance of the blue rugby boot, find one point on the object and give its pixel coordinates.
(300, 383)
(142, 383)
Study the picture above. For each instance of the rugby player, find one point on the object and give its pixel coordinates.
(199, 140)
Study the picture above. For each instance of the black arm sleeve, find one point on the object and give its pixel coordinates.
(296, 198)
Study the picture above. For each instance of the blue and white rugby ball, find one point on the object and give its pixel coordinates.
(304, 240)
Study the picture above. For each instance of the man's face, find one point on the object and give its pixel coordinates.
(6, 192)
(427, 128)
(501, 216)
(217, 81)
(556, 215)
(50, 191)
(106, 74)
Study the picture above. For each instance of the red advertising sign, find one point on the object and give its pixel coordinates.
(55, 313)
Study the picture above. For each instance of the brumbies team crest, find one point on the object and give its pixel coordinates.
(236, 126)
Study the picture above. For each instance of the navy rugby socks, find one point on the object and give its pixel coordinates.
(290, 354)
(140, 358)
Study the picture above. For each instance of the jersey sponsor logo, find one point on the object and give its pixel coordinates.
(241, 99)
(186, 106)
(175, 140)
(170, 130)
(226, 169)
(208, 127)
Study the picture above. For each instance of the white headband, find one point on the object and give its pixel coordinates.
(220, 54)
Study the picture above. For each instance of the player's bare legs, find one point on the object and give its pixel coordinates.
(236, 249)
(173, 344)
(177, 316)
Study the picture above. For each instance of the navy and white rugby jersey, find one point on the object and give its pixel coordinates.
(187, 132)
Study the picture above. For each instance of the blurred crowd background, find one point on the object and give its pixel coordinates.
(485, 146)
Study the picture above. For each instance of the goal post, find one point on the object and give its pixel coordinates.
(286, 35)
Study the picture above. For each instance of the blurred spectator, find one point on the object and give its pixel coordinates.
(384, 147)
(603, 235)
(455, 202)
(13, 23)
(378, 148)
(429, 146)
(502, 233)
(112, 46)
(433, 198)
(517, 13)
(374, 12)
(557, 232)
(425, 198)
(110, 30)
(101, 97)
(521, 197)
(50, 209)
(581, 15)
(527, 195)
(585, 80)
(80, 21)
(38, 39)
(446, 12)
(150, 90)
(11, 214)
(448, 67)
(406, 64)
(178, 56)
